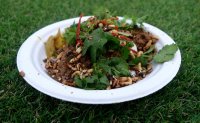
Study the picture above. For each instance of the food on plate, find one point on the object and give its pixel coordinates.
(103, 52)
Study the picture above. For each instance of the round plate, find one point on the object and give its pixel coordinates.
(32, 53)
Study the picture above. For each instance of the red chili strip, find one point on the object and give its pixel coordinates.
(114, 34)
(104, 22)
(114, 18)
(133, 51)
(124, 38)
(78, 40)
(122, 44)
(116, 27)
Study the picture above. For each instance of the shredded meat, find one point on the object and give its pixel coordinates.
(141, 38)
(60, 67)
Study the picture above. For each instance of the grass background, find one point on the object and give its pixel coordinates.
(179, 101)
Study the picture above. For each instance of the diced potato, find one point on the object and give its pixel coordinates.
(50, 47)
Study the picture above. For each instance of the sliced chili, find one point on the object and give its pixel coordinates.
(122, 44)
(114, 34)
(104, 22)
(133, 51)
(78, 40)
(124, 38)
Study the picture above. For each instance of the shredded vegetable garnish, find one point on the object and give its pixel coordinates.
(78, 40)
(103, 52)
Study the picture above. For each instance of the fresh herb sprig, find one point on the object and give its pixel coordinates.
(96, 81)
(166, 53)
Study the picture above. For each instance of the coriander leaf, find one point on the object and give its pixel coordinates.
(125, 53)
(114, 66)
(70, 34)
(112, 39)
(117, 60)
(123, 21)
(113, 43)
(90, 79)
(96, 44)
(166, 53)
(136, 22)
(78, 81)
(93, 53)
(150, 50)
(87, 44)
(123, 69)
(96, 81)
(140, 21)
(143, 59)
(102, 13)
(104, 80)
(102, 64)
(130, 44)
(87, 26)
(115, 72)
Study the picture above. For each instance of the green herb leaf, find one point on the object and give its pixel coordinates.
(104, 80)
(78, 81)
(112, 39)
(96, 44)
(102, 13)
(102, 66)
(91, 79)
(151, 49)
(114, 66)
(143, 59)
(87, 27)
(166, 53)
(70, 34)
(96, 81)
(125, 52)
(136, 22)
(140, 21)
(123, 69)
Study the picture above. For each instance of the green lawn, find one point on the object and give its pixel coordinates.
(178, 101)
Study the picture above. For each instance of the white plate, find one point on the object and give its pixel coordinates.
(30, 60)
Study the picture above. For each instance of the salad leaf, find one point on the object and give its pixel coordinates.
(113, 43)
(102, 66)
(112, 39)
(136, 22)
(78, 81)
(114, 66)
(96, 81)
(166, 53)
(103, 13)
(120, 67)
(125, 52)
(143, 59)
(123, 70)
(87, 26)
(96, 44)
(151, 49)
(70, 34)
